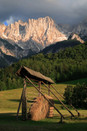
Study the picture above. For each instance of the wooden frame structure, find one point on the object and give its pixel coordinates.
(29, 75)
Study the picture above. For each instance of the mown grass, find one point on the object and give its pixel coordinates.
(9, 101)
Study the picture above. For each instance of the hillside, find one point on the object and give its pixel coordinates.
(15, 53)
(68, 64)
(60, 46)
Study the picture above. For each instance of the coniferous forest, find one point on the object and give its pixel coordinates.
(68, 64)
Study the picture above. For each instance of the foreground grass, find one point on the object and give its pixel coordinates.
(9, 101)
(8, 122)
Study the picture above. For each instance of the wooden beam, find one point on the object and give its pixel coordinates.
(19, 105)
(44, 97)
(59, 100)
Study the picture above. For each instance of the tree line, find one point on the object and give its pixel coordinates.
(67, 64)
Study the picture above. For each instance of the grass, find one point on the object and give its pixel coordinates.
(9, 101)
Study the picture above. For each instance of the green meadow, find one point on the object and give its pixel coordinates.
(9, 101)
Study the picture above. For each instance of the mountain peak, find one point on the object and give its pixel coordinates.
(47, 18)
(42, 31)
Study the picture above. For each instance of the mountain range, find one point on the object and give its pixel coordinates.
(23, 39)
(32, 35)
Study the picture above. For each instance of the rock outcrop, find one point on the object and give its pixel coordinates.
(76, 37)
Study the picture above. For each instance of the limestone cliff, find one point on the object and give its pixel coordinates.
(43, 31)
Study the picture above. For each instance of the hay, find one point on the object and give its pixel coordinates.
(39, 109)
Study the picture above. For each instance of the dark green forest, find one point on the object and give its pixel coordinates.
(67, 64)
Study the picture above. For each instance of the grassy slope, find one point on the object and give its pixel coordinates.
(9, 101)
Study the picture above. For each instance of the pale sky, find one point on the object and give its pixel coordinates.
(62, 11)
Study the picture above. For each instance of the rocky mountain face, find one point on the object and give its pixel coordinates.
(31, 36)
(6, 60)
(65, 29)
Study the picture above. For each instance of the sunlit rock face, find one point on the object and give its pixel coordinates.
(43, 31)
(22, 39)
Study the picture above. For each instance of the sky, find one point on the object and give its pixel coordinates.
(62, 11)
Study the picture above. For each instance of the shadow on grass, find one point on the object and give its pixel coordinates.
(8, 122)
(17, 100)
(57, 102)
(30, 101)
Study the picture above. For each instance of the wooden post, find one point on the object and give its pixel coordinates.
(24, 102)
(49, 89)
(39, 87)
(61, 120)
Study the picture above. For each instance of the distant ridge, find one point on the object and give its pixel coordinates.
(60, 46)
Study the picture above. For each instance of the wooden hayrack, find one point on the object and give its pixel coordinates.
(29, 75)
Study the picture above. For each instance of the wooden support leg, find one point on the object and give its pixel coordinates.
(61, 120)
(19, 105)
(24, 103)
(78, 114)
(49, 89)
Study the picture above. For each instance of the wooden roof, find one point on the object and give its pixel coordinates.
(24, 71)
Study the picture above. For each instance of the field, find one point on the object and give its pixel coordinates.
(9, 101)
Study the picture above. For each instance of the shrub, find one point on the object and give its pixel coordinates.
(76, 95)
